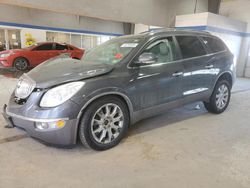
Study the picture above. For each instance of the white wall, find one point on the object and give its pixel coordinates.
(139, 28)
(233, 41)
(240, 10)
(149, 12)
(20, 15)
(236, 9)
(38, 35)
(189, 20)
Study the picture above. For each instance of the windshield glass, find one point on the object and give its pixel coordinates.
(31, 46)
(111, 52)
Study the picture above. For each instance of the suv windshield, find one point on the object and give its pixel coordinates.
(111, 52)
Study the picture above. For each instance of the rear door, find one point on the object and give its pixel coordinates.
(218, 55)
(198, 67)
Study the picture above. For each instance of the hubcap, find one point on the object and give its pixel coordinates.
(222, 96)
(107, 123)
(21, 64)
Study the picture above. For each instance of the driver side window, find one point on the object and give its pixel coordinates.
(44, 47)
(162, 50)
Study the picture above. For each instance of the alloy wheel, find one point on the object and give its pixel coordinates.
(21, 64)
(107, 123)
(222, 96)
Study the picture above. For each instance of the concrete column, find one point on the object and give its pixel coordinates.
(6, 36)
(247, 61)
(81, 42)
(243, 57)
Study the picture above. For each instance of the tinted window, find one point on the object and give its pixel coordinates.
(163, 49)
(214, 44)
(61, 47)
(44, 47)
(190, 46)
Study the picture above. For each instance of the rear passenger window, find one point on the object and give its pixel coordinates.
(61, 47)
(214, 44)
(190, 46)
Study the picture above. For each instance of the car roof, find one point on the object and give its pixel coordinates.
(61, 43)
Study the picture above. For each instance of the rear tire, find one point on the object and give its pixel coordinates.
(21, 64)
(220, 97)
(104, 123)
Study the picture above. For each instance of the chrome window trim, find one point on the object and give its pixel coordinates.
(33, 119)
(146, 43)
(194, 91)
(176, 61)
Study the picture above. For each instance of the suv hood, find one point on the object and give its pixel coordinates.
(61, 70)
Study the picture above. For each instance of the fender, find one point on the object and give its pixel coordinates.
(224, 72)
(106, 91)
(103, 92)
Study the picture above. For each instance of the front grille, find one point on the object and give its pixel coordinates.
(20, 101)
(24, 87)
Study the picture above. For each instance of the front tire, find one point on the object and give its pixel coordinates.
(21, 64)
(220, 97)
(104, 123)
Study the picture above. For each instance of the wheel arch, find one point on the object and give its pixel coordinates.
(21, 57)
(227, 76)
(120, 95)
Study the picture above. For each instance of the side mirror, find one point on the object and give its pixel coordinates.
(147, 58)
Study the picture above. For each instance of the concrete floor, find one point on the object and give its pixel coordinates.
(185, 147)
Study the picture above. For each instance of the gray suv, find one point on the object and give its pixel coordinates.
(119, 83)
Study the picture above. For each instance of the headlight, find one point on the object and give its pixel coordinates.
(60, 94)
(5, 55)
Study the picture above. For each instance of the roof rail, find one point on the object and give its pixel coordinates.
(192, 30)
(156, 30)
(159, 30)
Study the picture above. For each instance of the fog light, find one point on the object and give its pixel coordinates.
(50, 125)
(60, 123)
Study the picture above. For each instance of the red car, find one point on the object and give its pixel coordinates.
(32, 56)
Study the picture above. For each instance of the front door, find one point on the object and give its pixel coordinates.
(160, 82)
(42, 53)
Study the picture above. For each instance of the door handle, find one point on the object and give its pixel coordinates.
(209, 66)
(176, 74)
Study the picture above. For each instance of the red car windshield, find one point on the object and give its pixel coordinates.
(32, 46)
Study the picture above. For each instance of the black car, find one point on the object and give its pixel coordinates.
(119, 83)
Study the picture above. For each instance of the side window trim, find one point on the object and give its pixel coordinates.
(177, 48)
(145, 46)
(194, 36)
(209, 53)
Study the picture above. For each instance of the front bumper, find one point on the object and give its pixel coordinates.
(64, 136)
(4, 63)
